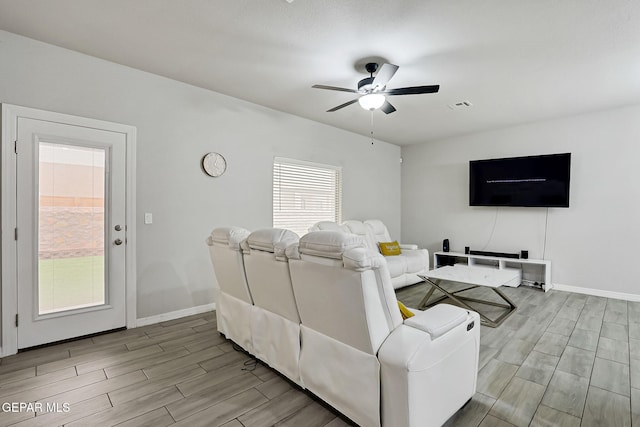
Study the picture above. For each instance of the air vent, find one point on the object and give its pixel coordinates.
(462, 105)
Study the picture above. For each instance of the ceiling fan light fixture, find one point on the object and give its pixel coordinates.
(373, 90)
(371, 101)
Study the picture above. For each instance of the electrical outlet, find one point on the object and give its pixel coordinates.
(148, 218)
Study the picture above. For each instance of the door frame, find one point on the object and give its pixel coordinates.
(9, 115)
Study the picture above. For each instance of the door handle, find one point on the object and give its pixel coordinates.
(118, 242)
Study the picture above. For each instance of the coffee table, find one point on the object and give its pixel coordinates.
(475, 276)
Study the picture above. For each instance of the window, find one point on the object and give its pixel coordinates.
(305, 193)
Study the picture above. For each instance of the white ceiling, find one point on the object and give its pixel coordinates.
(515, 61)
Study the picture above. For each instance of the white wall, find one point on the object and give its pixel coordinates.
(177, 124)
(592, 244)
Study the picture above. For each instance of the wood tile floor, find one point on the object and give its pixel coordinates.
(561, 360)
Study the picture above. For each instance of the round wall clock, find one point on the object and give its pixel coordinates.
(214, 164)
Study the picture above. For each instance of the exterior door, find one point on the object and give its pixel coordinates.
(71, 231)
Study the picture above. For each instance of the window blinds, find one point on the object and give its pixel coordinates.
(305, 193)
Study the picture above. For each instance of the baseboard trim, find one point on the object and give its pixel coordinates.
(175, 314)
(596, 292)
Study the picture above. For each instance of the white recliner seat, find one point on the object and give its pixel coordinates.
(404, 268)
(359, 356)
(275, 323)
(328, 226)
(234, 303)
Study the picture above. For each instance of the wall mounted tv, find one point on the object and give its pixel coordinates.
(533, 181)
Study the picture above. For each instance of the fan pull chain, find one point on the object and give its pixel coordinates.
(371, 127)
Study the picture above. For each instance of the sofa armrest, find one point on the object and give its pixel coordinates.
(408, 246)
(423, 380)
(438, 320)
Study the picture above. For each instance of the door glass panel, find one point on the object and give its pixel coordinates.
(71, 264)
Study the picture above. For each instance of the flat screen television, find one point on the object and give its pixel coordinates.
(533, 181)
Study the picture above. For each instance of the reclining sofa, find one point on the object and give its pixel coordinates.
(403, 268)
(322, 311)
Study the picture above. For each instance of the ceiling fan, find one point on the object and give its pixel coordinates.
(373, 91)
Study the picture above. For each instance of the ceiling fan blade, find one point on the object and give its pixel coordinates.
(346, 104)
(385, 74)
(414, 90)
(341, 89)
(387, 108)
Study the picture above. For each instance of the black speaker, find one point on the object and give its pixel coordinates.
(445, 245)
(524, 254)
(466, 250)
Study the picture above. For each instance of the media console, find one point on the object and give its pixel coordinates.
(544, 276)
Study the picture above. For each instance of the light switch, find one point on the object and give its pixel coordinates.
(148, 218)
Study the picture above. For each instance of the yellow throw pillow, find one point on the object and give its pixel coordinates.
(406, 313)
(389, 248)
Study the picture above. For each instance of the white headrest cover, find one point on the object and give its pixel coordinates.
(325, 225)
(328, 244)
(356, 227)
(360, 259)
(377, 226)
(273, 240)
(231, 236)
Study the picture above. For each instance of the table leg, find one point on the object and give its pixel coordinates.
(504, 297)
(503, 316)
(423, 303)
(461, 300)
(463, 304)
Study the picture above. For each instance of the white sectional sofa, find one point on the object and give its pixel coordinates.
(275, 322)
(324, 313)
(234, 303)
(404, 268)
